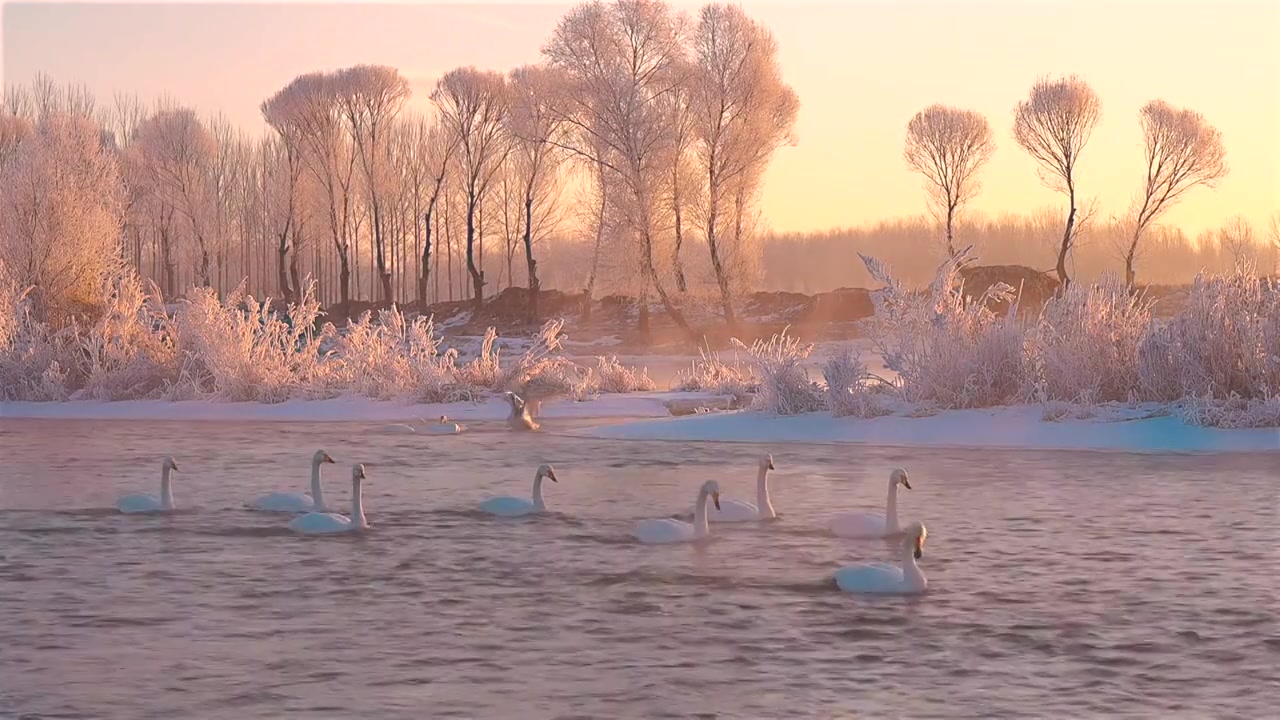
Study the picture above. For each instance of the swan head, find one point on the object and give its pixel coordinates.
(357, 472)
(548, 472)
(321, 457)
(169, 463)
(712, 488)
(899, 477)
(766, 462)
(916, 534)
(443, 419)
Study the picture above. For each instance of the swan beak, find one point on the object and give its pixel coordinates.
(327, 459)
(919, 553)
(771, 465)
(552, 475)
(173, 466)
(715, 498)
(906, 484)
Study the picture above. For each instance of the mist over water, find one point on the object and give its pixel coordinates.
(1061, 585)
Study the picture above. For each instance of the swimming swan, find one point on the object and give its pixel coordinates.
(150, 503)
(741, 511)
(507, 506)
(520, 419)
(444, 427)
(670, 530)
(886, 578)
(298, 502)
(871, 525)
(322, 523)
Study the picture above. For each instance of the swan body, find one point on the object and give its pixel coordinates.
(401, 428)
(742, 511)
(507, 506)
(884, 578)
(520, 418)
(669, 530)
(872, 525)
(444, 427)
(150, 503)
(298, 502)
(326, 523)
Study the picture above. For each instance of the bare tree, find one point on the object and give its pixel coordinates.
(619, 61)
(537, 132)
(1182, 151)
(948, 146)
(473, 106)
(370, 96)
(282, 113)
(1237, 238)
(742, 112)
(61, 216)
(436, 147)
(1054, 125)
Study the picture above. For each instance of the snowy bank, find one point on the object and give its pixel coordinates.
(351, 409)
(1018, 427)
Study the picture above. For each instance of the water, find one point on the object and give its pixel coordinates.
(1061, 585)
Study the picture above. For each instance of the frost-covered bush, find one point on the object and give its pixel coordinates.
(131, 352)
(394, 357)
(948, 349)
(785, 387)
(711, 374)
(851, 390)
(612, 376)
(485, 369)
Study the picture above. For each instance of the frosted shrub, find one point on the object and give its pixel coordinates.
(131, 352)
(251, 353)
(395, 358)
(486, 368)
(848, 390)
(711, 374)
(612, 376)
(1085, 346)
(785, 387)
(946, 348)
(537, 359)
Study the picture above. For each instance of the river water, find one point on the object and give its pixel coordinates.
(1061, 584)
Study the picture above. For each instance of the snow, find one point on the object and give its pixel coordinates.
(1017, 427)
(351, 409)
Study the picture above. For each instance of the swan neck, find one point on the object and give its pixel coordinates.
(166, 489)
(910, 570)
(891, 508)
(700, 527)
(317, 491)
(357, 504)
(762, 494)
(537, 493)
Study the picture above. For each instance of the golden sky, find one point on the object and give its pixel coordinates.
(862, 68)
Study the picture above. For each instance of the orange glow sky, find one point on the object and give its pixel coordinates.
(861, 68)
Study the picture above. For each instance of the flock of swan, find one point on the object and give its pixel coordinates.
(314, 516)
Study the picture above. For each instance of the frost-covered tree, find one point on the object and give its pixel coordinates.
(948, 147)
(1182, 151)
(1054, 125)
(61, 216)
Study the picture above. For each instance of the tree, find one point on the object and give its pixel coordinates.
(1236, 237)
(283, 161)
(742, 112)
(61, 217)
(1182, 151)
(948, 146)
(619, 61)
(1053, 125)
(537, 134)
(370, 96)
(473, 106)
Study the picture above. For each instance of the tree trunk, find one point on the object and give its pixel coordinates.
(282, 262)
(424, 268)
(477, 276)
(534, 284)
(1130, 275)
(681, 284)
(951, 242)
(344, 285)
(1067, 238)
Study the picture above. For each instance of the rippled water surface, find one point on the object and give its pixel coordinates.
(1061, 585)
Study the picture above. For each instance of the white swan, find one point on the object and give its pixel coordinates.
(298, 502)
(444, 427)
(321, 523)
(886, 578)
(670, 530)
(520, 419)
(151, 503)
(507, 506)
(871, 525)
(398, 428)
(742, 511)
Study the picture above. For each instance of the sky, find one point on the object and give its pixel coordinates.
(862, 68)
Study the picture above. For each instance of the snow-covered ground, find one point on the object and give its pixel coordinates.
(1020, 427)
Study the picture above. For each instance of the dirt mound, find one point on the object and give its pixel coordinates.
(843, 305)
(1036, 287)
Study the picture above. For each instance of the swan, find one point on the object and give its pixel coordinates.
(742, 511)
(507, 506)
(871, 525)
(670, 530)
(520, 419)
(151, 503)
(886, 578)
(403, 428)
(298, 502)
(444, 427)
(322, 523)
